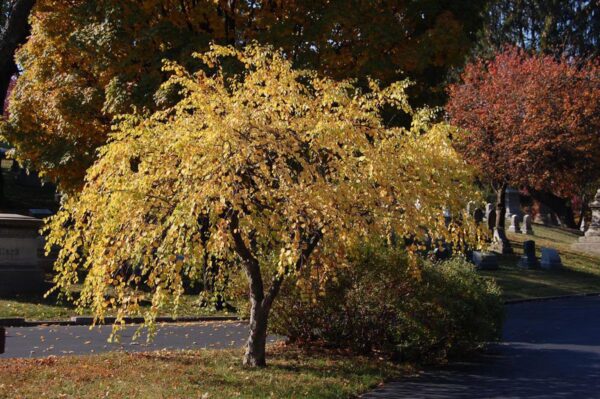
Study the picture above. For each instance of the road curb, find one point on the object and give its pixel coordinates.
(550, 298)
(88, 321)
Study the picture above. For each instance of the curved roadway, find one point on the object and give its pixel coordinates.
(550, 349)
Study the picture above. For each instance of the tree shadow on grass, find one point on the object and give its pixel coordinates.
(52, 300)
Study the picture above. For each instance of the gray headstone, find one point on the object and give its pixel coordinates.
(528, 260)
(590, 242)
(527, 226)
(550, 259)
(478, 216)
(513, 203)
(485, 260)
(20, 270)
(515, 225)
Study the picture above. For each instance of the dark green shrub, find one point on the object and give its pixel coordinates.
(381, 304)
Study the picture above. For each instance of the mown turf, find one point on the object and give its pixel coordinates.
(291, 373)
(36, 308)
(580, 275)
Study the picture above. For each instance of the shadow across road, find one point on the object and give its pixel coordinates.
(550, 349)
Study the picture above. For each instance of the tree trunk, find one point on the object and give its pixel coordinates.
(501, 207)
(500, 242)
(260, 302)
(17, 30)
(255, 348)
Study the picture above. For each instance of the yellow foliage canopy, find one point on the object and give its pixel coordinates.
(262, 165)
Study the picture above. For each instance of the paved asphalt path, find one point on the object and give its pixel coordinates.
(76, 340)
(550, 350)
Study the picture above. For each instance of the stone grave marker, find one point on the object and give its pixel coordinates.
(528, 260)
(20, 271)
(485, 260)
(513, 203)
(590, 242)
(515, 225)
(550, 259)
(527, 225)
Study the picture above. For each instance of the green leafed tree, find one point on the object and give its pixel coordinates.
(268, 170)
(88, 61)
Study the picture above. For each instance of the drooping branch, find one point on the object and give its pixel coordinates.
(249, 261)
(312, 243)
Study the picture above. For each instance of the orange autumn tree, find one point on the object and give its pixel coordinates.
(533, 122)
(268, 170)
(88, 61)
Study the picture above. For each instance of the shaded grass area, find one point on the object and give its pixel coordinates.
(292, 373)
(38, 308)
(580, 275)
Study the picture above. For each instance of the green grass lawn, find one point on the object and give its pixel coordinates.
(291, 373)
(580, 275)
(36, 308)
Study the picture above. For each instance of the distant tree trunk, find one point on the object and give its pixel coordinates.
(15, 34)
(560, 206)
(501, 207)
(500, 242)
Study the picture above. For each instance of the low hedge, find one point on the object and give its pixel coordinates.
(381, 304)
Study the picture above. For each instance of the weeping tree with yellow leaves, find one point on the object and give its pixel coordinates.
(266, 169)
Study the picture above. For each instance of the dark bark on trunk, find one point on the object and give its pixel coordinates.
(15, 34)
(500, 242)
(501, 207)
(255, 355)
(255, 349)
(560, 206)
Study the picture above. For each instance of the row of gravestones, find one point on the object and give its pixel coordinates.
(490, 217)
(550, 258)
(484, 260)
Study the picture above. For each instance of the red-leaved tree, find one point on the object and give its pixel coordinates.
(533, 121)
